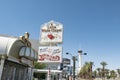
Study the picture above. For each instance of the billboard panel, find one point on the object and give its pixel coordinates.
(50, 54)
(51, 32)
(66, 61)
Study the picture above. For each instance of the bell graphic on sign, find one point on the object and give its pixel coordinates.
(50, 36)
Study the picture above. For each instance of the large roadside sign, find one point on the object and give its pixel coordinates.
(51, 33)
(50, 54)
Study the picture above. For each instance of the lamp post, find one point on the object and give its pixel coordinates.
(74, 63)
(80, 58)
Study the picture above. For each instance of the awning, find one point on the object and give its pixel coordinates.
(11, 46)
(46, 71)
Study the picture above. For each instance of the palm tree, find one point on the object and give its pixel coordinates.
(103, 69)
(98, 69)
(95, 73)
(38, 65)
(113, 74)
(107, 73)
(81, 74)
(90, 67)
(86, 70)
(118, 71)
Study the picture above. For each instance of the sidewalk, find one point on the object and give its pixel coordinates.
(99, 79)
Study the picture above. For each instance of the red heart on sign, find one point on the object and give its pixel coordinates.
(50, 36)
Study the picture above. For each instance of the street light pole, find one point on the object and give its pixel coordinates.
(74, 63)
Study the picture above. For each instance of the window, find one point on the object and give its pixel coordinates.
(28, 52)
(22, 51)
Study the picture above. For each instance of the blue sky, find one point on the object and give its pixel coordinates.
(90, 25)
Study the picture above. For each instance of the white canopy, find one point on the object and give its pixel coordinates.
(16, 48)
(10, 46)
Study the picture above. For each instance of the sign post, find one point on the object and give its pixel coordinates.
(51, 35)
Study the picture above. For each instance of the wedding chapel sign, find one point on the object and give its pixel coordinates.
(51, 32)
(50, 54)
